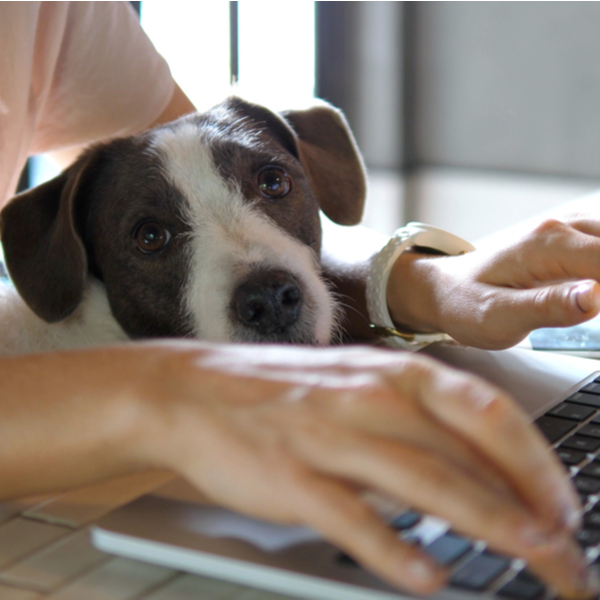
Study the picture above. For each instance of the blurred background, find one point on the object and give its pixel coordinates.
(470, 115)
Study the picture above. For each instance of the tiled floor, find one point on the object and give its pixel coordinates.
(45, 553)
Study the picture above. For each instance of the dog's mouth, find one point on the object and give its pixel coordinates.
(272, 305)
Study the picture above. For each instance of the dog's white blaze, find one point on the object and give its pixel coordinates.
(229, 236)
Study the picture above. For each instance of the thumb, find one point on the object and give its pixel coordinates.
(586, 295)
(563, 304)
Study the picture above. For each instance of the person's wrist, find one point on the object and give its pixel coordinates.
(156, 405)
(413, 236)
(411, 293)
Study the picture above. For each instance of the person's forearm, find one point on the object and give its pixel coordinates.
(71, 418)
(413, 293)
(292, 435)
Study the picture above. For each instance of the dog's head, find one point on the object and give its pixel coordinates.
(207, 227)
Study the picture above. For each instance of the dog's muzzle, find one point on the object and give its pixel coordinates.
(269, 302)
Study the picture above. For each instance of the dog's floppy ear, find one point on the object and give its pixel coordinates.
(321, 138)
(44, 254)
(332, 160)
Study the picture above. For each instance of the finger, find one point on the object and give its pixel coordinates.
(565, 571)
(435, 486)
(490, 420)
(586, 225)
(378, 412)
(426, 481)
(556, 250)
(346, 521)
(559, 305)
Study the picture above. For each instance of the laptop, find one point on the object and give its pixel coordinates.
(560, 393)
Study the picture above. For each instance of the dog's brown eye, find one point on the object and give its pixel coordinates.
(273, 182)
(151, 236)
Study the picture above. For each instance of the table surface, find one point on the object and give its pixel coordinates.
(45, 551)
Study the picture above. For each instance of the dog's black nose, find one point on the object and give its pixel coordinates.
(269, 301)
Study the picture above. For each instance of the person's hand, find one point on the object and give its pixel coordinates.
(297, 435)
(494, 298)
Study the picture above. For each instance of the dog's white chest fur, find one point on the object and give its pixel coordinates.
(23, 332)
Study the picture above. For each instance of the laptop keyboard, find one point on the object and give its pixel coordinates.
(45, 552)
(573, 428)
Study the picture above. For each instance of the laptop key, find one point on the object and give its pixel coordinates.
(570, 410)
(479, 572)
(590, 430)
(586, 485)
(592, 388)
(447, 549)
(577, 442)
(583, 398)
(570, 457)
(406, 520)
(592, 469)
(583, 499)
(554, 428)
(588, 537)
(523, 587)
(591, 520)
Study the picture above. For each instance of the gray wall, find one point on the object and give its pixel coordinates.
(508, 85)
(360, 69)
(495, 85)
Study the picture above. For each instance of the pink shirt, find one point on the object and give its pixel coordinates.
(72, 73)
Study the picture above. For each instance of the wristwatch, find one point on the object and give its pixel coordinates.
(409, 236)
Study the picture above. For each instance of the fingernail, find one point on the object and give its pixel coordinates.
(584, 296)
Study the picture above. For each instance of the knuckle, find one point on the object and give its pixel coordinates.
(292, 474)
(555, 305)
(423, 371)
(462, 386)
(417, 366)
(358, 516)
(501, 412)
(428, 467)
(549, 228)
(543, 301)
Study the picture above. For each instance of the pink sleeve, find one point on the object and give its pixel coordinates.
(104, 78)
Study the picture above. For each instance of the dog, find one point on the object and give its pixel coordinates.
(207, 227)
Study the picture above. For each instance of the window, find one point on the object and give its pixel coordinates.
(275, 62)
(275, 43)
